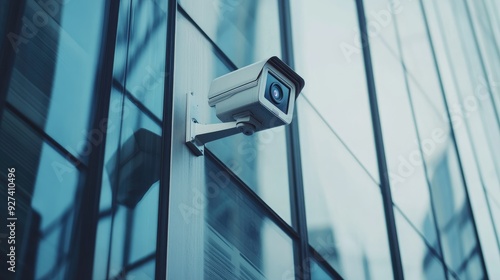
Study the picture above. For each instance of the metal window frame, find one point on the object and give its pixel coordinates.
(385, 187)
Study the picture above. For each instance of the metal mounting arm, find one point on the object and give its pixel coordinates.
(197, 135)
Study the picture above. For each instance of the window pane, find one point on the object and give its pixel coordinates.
(317, 273)
(245, 30)
(53, 78)
(338, 194)
(468, 91)
(489, 48)
(261, 161)
(453, 213)
(45, 195)
(328, 55)
(249, 157)
(419, 259)
(129, 195)
(241, 242)
(409, 187)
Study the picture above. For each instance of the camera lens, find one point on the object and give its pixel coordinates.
(276, 93)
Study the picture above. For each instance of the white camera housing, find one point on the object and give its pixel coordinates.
(247, 92)
(250, 99)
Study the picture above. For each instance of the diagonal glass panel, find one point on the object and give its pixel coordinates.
(328, 53)
(345, 217)
(245, 30)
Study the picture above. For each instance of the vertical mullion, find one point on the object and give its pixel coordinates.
(87, 214)
(297, 201)
(166, 149)
(380, 150)
(452, 131)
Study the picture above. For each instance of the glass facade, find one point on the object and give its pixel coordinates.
(389, 170)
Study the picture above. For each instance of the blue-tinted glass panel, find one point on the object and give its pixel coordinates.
(472, 107)
(53, 80)
(241, 242)
(130, 186)
(472, 268)
(493, 10)
(318, 273)
(420, 259)
(54, 201)
(104, 226)
(453, 213)
(338, 194)
(245, 30)
(102, 246)
(261, 160)
(140, 56)
(488, 46)
(45, 194)
(458, 237)
(467, 94)
(328, 54)
(144, 271)
(409, 187)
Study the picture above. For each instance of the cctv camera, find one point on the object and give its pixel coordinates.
(250, 99)
(265, 91)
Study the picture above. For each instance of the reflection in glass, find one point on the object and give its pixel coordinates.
(328, 56)
(453, 213)
(467, 93)
(140, 52)
(489, 49)
(130, 185)
(345, 217)
(420, 261)
(454, 217)
(240, 241)
(54, 200)
(407, 174)
(317, 273)
(261, 161)
(246, 31)
(45, 195)
(477, 85)
(53, 78)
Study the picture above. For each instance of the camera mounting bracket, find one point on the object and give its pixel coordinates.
(197, 134)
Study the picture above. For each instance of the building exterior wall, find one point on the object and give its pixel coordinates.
(390, 169)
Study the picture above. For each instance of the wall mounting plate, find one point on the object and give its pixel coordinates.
(191, 113)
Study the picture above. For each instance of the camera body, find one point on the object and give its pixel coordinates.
(264, 91)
